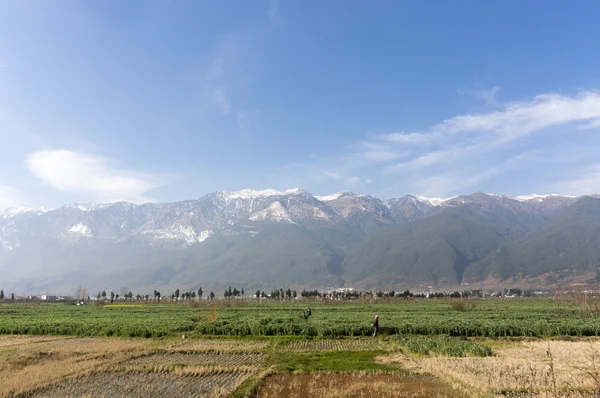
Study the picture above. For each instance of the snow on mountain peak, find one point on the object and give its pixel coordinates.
(81, 229)
(434, 201)
(337, 195)
(89, 206)
(539, 198)
(275, 212)
(253, 194)
(15, 211)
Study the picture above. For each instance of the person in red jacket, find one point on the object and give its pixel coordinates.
(376, 325)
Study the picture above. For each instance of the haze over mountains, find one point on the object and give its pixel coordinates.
(267, 239)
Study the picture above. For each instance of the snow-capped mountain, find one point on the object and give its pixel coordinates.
(193, 221)
(234, 231)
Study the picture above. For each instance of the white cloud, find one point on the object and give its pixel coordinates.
(274, 14)
(468, 150)
(488, 96)
(479, 133)
(591, 125)
(336, 176)
(380, 156)
(10, 197)
(94, 176)
(221, 100)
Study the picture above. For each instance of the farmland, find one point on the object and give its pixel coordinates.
(248, 349)
(491, 318)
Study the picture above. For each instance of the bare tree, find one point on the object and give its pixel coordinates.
(81, 293)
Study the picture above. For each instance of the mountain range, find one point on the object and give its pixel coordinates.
(270, 239)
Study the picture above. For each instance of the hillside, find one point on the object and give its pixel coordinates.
(267, 239)
(568, 244)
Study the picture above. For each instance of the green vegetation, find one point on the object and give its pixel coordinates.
(443, 345)
(120, 320)
(489, 318)
(333, 361)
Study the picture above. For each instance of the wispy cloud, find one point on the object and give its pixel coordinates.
(336, 176)
(274, 13)
(221, 100)
(246, 118)
(468, 150)
(468, 134)
(488, 96)
(90, 175)
(594, 124)
(10, 197)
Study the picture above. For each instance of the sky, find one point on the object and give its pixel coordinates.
(165, 101)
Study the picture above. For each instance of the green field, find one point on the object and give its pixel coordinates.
(484, 318)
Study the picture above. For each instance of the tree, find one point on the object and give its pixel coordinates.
(1, 295)
(257, 294)
(242, 292)
(81, 293)
(12, 297)
(212, 295)
(112, 297)
(295, 294)
(200, 293)
(288, 293)
(103, 294)
(177, 294)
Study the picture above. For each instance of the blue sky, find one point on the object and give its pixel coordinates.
(164, 101)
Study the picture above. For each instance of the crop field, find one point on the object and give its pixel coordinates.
(266, 349)
(224, 345)
(332, 345)
(332, 385)
(484, 318)
(394, 366)
(155, 361)
(519, 369)
(147, 384)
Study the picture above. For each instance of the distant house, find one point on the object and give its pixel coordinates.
(46, 297)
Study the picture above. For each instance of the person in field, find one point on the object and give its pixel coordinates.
(375, 325)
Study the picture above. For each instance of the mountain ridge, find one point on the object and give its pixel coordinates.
(253, 234)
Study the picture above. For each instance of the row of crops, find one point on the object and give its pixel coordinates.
(489, 318)
(60, 319)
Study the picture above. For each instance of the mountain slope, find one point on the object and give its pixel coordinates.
(435, 250)
(568, 243)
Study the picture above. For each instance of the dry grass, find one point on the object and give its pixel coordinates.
(542, 369)
(180, 359)
(219, 346)
(186, 383)
(26, 366)
(54, 366)
(328, 385)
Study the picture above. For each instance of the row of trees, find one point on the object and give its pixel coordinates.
(277, 294)
(2, 297)
(156, 296)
